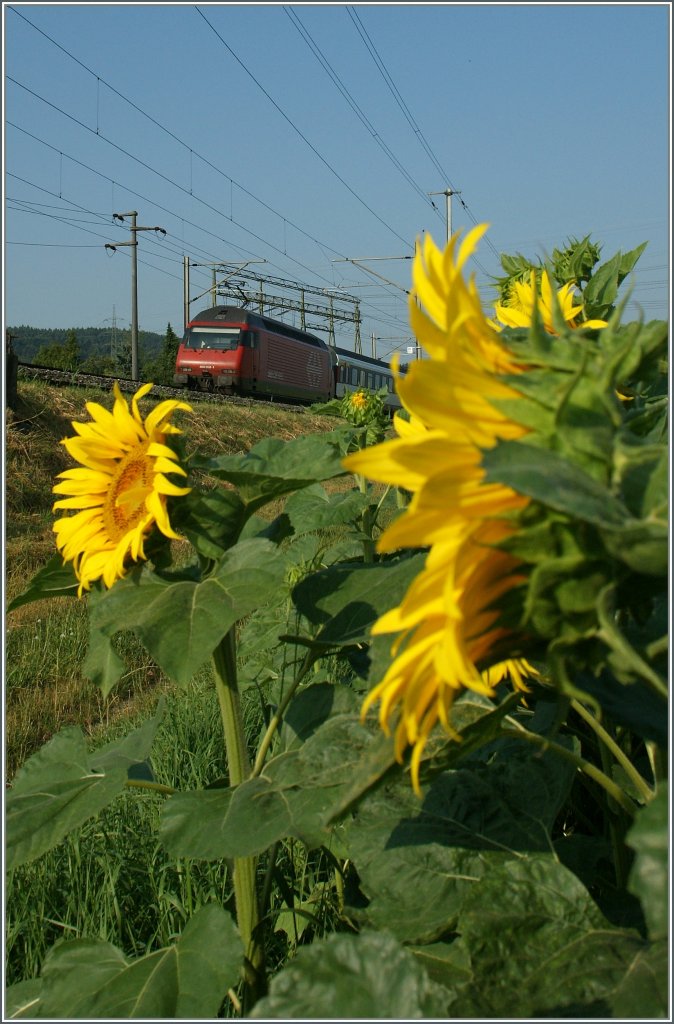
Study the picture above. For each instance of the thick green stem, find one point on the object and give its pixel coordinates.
(245, 894)
(610, 744)
(224, 663)
(367, 522)
(580, 763)
(616, 827)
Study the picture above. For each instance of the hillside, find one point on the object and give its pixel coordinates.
(92, 341)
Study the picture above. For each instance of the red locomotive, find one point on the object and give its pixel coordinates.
(239, 352)
(236, 351)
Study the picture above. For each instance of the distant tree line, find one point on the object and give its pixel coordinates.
(98, 350)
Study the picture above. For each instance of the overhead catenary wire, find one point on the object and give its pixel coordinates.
(379, 63)
(192, 151)
(292, 124)
(358, 111)
(363, 33)
(100, 80)
(100, 83)
(146, 198)
(147, 166)
(383, 317)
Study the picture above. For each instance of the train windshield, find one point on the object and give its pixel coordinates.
(212, 337)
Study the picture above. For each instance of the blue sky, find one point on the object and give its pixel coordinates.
(221, 124)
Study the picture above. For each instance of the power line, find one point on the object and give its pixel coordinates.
(384, 318)
(300, 133)
(140, 195)
(153, 170)
(322, 59)
(192, 152)
(86, 230)
(362, 31)
(172, 135)
(58, 245)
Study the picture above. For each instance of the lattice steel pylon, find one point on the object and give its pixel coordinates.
(248, 289)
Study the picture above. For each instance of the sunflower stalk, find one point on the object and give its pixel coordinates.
(266, 741)
(610, 744)
(367, 521)
(245, 893)
(589, 769)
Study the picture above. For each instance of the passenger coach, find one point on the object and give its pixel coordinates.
(354, 372)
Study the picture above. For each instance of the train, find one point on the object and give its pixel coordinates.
(231, 350)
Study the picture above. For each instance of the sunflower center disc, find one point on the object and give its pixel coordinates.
(132, 483)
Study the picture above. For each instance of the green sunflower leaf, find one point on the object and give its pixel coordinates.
(55, 579)
(368, 976)
(295, 795)
(64, 784)
(649, 876)
(601, 290)
(212, 521)
(418, 859)
(90, 979)
(311, 708)
(181, 620)
(555, 482)
(314, 509)
(346, 600)
(273, 468)
(23, 999)
(540, 947)
(102, 665)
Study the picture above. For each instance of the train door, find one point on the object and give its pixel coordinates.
(256, 346)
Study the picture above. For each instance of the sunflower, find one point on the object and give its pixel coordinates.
(119, 489)
(359, 399)
(518, 310)
(446, 624)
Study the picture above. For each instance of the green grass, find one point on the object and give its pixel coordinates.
(111, 879)
(46, 641)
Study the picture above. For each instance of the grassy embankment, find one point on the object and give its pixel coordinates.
(46, 641)
(110, 879)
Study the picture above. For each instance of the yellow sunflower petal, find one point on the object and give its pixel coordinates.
(118, 490)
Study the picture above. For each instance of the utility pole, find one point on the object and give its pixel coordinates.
(133, 228)
(447, 193)
(186, 290)
(11, 372)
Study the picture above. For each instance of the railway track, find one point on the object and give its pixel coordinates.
(70, 378)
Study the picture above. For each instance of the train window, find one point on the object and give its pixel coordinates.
(212, 337)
